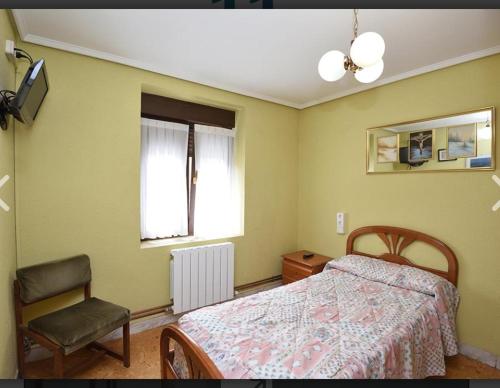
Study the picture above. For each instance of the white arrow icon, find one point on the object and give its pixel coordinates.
(3, 205)
(496, 206)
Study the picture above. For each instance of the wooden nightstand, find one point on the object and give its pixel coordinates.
(295, 267)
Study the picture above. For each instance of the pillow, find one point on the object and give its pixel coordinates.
(366, 267)
(397, 275)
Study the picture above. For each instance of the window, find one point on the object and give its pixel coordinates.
(215, 206)
(163, 179)
(188, 179)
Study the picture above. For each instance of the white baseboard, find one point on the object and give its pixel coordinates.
(480, 355)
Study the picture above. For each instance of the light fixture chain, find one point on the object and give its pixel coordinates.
(355, 25)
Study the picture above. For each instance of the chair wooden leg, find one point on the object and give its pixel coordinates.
(20, 352)
(59, 363)
(126, 345)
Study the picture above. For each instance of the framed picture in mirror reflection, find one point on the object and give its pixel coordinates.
(462, 141)
(421, 146)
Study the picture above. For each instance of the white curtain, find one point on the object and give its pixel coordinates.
(216, 209)
(163, 179)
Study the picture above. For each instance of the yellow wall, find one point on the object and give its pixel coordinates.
(453, 206)
(77, 173)
(78, 177)
(7, 219)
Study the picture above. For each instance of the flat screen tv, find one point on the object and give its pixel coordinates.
(403, 158)
(31, 93)
(403, 155)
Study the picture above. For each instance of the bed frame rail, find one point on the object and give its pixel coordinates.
(200, 366)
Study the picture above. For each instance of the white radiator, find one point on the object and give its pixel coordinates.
(201, 276)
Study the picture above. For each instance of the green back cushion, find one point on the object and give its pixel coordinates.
(42, 281)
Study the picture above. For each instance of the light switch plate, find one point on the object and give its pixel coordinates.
(340, 223)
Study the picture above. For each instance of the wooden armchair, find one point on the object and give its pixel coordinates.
(200, 366)
(71, 328)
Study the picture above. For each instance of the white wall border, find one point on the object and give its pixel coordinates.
(480, 355)
(42, 41)
(408, 74)
(39, 40)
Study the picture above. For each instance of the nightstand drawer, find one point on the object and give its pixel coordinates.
(287, 279)
(296, 267)
(294, 271)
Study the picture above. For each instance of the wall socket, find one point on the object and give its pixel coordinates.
(9, 50)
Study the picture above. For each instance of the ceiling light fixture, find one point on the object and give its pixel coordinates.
(365, 60)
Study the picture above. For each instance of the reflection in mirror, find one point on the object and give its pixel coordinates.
(459, 142)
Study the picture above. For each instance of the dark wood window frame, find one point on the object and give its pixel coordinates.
(191, 179)
(177, 111)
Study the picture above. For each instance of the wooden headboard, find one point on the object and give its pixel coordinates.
(396, 240)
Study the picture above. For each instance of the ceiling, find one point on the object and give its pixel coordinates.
(268, 54)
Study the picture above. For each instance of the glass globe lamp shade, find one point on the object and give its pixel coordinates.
(367, 49)
(370, 73)
(331, 66)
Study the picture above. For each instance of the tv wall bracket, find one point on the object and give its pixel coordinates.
(5, 97)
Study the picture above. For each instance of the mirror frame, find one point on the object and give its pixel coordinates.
(493, 144)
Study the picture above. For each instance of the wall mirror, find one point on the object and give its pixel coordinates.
(457, 142)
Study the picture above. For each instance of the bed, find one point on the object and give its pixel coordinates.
(364, 316)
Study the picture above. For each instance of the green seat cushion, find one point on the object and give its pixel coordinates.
(78, 325)
(42, 281)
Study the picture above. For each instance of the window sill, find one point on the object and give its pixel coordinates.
(164, 242)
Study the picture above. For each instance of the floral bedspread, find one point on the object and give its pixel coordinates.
(359, 318)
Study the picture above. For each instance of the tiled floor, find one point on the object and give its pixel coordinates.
(145, 359)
